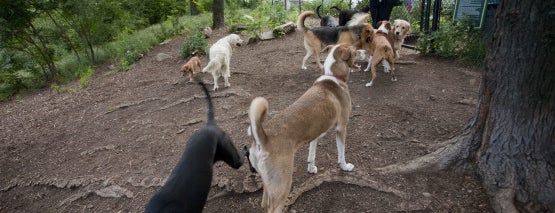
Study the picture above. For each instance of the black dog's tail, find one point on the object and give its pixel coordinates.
(337, 8)
(210, 121)
(318, 11)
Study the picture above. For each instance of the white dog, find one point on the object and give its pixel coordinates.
(220, 56)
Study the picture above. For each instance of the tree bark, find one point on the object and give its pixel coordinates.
(218, 14)
(194, 9)
(511, 136)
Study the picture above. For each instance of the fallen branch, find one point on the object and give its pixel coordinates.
(129, 104)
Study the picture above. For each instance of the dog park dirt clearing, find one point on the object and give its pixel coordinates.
(110, 146)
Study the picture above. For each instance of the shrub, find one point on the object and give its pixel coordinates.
(455, 41)
(195, 42)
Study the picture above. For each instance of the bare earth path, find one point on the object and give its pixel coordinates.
(108, 147)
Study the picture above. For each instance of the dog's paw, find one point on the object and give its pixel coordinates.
(367, 70)
(304, 68)
(394, 79)
(346, 167)
(312, 169)
(386, 70)
(369, 84)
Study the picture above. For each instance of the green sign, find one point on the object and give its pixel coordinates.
(473, 9)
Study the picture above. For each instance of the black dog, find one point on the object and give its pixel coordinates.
(346, 15)
(187, 187)
(326, 21)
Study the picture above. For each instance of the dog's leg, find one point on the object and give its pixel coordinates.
(340, 141)
(226, 74)
(386, 66)
(391, 67)
(215, 75)
(375, 62)
(226, 81)
(308, 54)
(369, 64)
(277, 182)
(191, 75)
(312, 169)
(317, 58)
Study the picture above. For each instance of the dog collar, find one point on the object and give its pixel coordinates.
(340, 78)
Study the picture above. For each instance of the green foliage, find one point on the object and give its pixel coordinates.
(455, 41)
(204, 5)
(84, 77)
(195, 42)
(262, 18)
(325, 8)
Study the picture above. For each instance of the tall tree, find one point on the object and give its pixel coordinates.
(218, 14)
(510, 139)
(19, 33)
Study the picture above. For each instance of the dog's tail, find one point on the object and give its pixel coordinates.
(318, 11)
(336, 8)
(257, 112)
(358, 18)
(194, 53)
(212, 65)
(300, 20)
(210, 121)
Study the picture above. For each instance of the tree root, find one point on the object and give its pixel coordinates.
(129, 104)
(453, 152)
(354, 178)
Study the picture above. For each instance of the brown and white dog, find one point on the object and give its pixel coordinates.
(325, 106)
(191, 66)
(397, 35)
(381, 51)
(316, 38)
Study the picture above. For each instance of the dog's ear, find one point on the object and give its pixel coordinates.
(345, 53)
(388, 26)
(369, 35)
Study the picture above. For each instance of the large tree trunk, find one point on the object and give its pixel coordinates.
(218, 14)
(511, 137)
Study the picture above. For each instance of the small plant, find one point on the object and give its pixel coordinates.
(84, 77)
(124, 65)
(195, 42)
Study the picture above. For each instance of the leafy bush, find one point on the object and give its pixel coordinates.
(455, 41)
(195, 42)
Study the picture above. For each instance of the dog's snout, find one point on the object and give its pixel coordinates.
(397, 32)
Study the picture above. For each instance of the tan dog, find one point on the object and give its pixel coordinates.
(326, 105)
(397, 35)
(191, 66)
(381, 52)
(316, 38)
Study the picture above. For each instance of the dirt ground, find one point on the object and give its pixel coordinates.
(110, 146)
